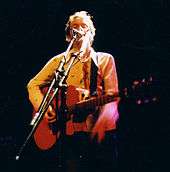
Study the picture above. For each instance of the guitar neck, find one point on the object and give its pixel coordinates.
(93, 102)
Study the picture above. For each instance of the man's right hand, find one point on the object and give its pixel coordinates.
(50, 115)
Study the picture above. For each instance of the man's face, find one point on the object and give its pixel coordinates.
(81, 25)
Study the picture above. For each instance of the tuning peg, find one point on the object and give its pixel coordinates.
(146, 101)
(125, 91)
(136, 82)
(154, 99)
(150, 79)
(139, 101)
(143, 80)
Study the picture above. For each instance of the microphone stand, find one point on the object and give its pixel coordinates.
(59, 82)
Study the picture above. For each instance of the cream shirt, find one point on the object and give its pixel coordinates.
(79, 77)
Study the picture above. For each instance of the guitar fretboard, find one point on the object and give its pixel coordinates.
(93, 102)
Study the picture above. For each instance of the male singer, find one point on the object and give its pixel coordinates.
(90, 137)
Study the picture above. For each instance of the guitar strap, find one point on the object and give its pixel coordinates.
(81, 116)
(93, 78)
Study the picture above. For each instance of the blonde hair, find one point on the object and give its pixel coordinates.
(83, 15)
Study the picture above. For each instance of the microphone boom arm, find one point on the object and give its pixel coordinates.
(59, 78)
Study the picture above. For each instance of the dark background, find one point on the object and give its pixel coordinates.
(135, 32)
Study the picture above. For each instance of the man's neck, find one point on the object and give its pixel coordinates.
(85, 56)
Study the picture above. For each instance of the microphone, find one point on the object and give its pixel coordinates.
(84, 45)
(84, 37)
(78, 32)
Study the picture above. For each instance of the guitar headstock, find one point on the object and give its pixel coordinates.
(141, 91)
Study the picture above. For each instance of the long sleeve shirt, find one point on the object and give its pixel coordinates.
(79, 78)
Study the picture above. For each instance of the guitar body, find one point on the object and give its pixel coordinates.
(44, 137)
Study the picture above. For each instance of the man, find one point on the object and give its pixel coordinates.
(90, 138)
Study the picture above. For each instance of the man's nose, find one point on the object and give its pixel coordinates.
(80, 28)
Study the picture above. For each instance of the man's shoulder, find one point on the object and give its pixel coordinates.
(57, 57)
(104, 56)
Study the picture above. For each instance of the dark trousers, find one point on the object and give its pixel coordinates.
(77, 153)
(81, 154)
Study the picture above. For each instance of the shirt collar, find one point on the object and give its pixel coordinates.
(93, 55)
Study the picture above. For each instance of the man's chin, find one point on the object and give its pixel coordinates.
(78, 44)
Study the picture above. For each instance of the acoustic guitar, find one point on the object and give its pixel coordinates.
(45, 138)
